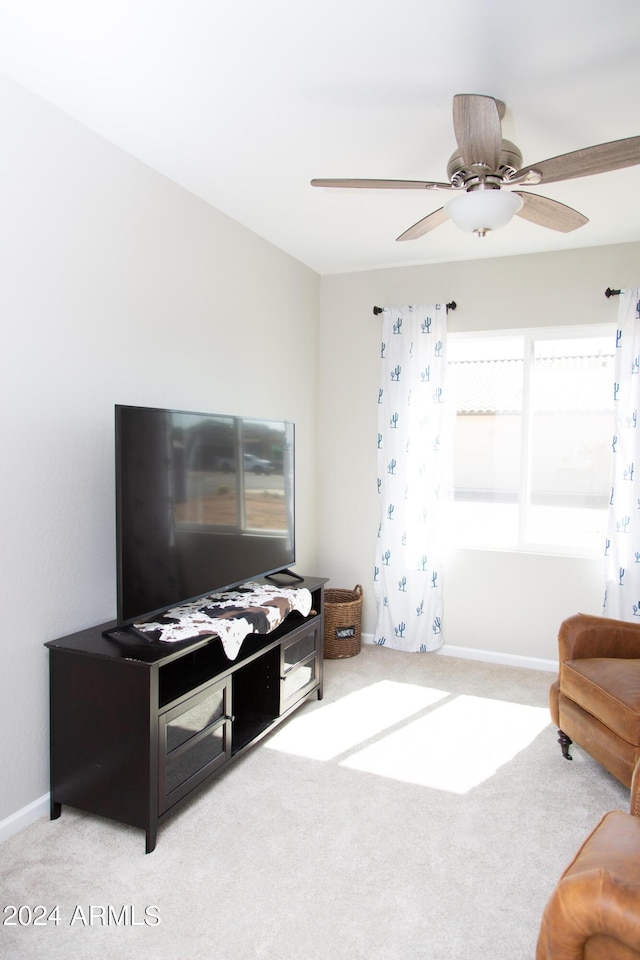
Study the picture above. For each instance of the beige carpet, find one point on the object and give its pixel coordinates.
(421, 810)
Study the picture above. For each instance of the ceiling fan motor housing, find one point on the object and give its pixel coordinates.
(510, 162)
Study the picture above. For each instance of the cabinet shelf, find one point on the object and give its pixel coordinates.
(248, 728)
(182, 676)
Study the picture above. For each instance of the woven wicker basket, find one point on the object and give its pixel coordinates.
(342, 622)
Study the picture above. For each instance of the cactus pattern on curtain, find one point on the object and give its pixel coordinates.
(408, 576)
(622, 551)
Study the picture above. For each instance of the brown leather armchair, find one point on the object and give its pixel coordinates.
(596, 699)
(594, 911)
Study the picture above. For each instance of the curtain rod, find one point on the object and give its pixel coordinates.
(612, 293)
(449, 306)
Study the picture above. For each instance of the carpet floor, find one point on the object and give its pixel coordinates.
(421, 811)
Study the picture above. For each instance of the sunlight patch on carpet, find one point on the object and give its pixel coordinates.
(456, 747)
(335, 728)
(415, 734)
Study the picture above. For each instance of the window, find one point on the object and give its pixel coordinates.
(532, 438)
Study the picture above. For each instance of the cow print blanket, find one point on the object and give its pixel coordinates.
(231, 615)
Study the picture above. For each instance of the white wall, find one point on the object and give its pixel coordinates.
(115, 286)
(503, 602)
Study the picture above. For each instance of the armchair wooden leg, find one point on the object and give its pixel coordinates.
(565, 742)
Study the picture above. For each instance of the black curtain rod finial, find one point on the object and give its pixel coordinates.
(612, 293)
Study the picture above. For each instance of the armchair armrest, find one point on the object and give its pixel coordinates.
(583, 635)
(634, 803)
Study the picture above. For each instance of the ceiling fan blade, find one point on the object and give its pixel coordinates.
(384, 184)
(476, 123)
(550, 213)
(430, 222)
(588, 161)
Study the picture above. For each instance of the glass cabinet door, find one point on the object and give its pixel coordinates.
(195, 739)
(202, 714)
(300, 670)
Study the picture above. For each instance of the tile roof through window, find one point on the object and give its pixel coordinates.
(577, 384)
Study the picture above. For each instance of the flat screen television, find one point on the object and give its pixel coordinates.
(203, 503)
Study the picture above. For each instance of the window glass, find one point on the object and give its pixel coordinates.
(485, 380)
(532, 439)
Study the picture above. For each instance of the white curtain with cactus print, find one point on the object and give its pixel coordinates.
(622, 586)
(408, 575)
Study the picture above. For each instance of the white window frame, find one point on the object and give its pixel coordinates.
(530, 335)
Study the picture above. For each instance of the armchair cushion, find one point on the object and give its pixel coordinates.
(609, 688)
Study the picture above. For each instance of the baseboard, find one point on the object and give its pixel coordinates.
(23, 818)
(489, 656)
(507, 659)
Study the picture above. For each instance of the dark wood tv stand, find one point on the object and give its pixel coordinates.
(136, 727)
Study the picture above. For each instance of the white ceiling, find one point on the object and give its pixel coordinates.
(244, 101)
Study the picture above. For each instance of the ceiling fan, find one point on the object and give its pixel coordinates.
(485, 171)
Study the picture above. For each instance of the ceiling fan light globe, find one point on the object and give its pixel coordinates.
(479, 211)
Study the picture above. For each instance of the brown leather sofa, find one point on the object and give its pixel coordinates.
(594, 911)
(596, 699)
